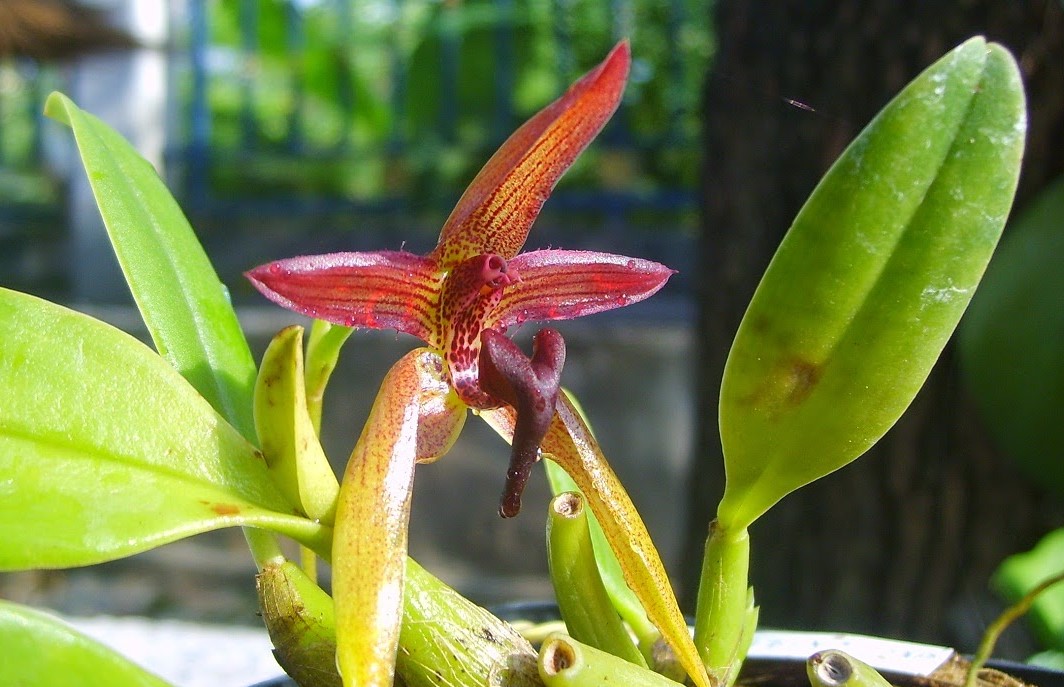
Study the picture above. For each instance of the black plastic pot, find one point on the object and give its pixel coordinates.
(784, 672)
(1034, 675)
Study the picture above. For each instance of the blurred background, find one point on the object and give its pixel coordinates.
(293, 127)
(296, 125)
(303, 126)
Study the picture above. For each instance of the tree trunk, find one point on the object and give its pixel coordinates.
(903, 541)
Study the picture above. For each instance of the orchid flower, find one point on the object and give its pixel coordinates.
(460, 299)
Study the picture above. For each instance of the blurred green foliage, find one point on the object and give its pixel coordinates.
(21, 181)
(1010, 341)
(1022, 572)
(408, 98)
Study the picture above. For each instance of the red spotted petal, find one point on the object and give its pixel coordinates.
(496, 212)
(377, 290)
(562, 284)
(441, 413)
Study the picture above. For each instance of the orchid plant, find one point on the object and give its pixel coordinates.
(850, 317)
(460, 299)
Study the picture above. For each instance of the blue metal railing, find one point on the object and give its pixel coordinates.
(333, 124)
(450, 31)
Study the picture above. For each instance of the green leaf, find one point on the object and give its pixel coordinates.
(106, 451)
(42, 650)
(871, 280)
(1010, 340)
(184, 305)
(1022, 572)
(1053, 660)
(286, 432)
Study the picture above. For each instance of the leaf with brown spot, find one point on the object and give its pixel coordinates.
(871, 280)
(155, 461)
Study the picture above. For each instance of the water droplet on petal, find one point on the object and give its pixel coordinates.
(622, 300)
(630, 264)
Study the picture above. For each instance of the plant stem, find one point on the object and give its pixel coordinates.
(838, 669)
(993, 632)
(446, 639)
(622, 597)
(565, 662)
(265, 548)
(308, 561)
(725, 617)
(585, 606)
(301, 621)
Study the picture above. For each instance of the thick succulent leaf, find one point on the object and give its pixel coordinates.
(871, 280)
(376, 290)
(371, 524)
(286, 433)
(106, 451)
(42, 650)
(570, 444)
(1010, 340)
(184, 305)
(498, 208)
(562, 284)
